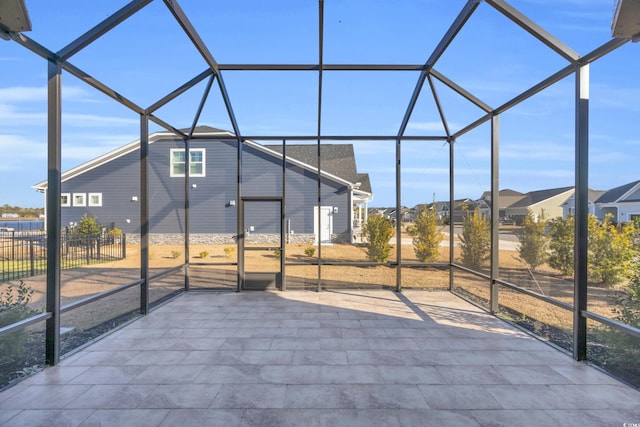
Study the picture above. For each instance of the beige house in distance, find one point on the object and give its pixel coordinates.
(550, 201)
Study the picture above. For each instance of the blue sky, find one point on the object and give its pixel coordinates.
(149, 55)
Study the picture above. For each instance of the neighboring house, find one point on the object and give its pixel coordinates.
(550, 201)
(569, 207)
(506, 198)
(623, 203)
(108, 188)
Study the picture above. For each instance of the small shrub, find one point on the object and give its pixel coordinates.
(310, 251)
(378, 230)
(277, 253)
(175, 254)
(203, 254)
(87, 226)
(229, 251)
(533, 240)
(561, 244)
(426, 235)
(610, 250)
(115, 232)
(14, 307)
(475, 240)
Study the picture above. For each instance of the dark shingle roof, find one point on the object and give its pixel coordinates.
(533, 197)
(615, 193)
(337, 159)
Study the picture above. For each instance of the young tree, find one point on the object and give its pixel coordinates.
(87, 226)
(426, 235)
(475, 240)
(378, 230)
(610, 250)
(533, 240)
(561, 244)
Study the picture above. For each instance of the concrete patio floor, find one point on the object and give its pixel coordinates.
(336, 358)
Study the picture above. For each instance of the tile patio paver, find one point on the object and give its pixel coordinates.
(338, 358)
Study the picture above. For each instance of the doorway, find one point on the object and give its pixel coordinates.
(261, 244)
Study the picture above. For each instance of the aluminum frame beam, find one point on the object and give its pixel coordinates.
(179, 91)
(319, 133)
(535, 30)
(580, 284)
(54, 211)
(191, 32)
(102, 28)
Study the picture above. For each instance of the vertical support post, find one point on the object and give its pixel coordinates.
(283, 212)
(451, 198)
(187, 176)
(398, 219)
(319, 224)
(240, 221)
(144, 214)
(495, 213)
(582, 213)
(54, 180)
(319, 129)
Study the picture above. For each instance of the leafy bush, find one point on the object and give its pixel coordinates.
(87, 226)
(310, 251)
(175, 254)
(426, 235)
(533, 240)
(203, 254)
(561, 244)
(378, 230)
(14, 307)
(610, 250)
(475, 240)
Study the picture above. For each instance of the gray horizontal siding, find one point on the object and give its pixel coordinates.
(210, 207)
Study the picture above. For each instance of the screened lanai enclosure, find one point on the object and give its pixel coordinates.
(235, 146)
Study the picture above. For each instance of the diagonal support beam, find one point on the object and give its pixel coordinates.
(451, 33)
(203, 101)
(535, 30)
(179, 91)
(188, 28)
(101, 87)
(461, 91)
(102, 28)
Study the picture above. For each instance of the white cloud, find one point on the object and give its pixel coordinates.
(16, 94)
(20, 149)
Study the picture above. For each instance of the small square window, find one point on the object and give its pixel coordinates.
(197, 162)
(65, 200)
(95, 199)
(79, 199)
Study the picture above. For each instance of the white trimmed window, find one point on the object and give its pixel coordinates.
(65, 200)
(79, 199)
(95, 199)
(197, 163)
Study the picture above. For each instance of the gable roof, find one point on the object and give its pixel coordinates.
(506, 197)
(534, 197)
(615, 194)
(339, 164)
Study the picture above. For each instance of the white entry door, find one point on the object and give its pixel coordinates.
(326, 223)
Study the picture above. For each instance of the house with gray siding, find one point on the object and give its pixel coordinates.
(108, 188)
(622, 203)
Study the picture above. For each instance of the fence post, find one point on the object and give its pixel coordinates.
(98, 241)
(31, 258)
(88, 247)
(123, 242)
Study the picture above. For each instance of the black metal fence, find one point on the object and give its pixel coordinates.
(24, 253)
